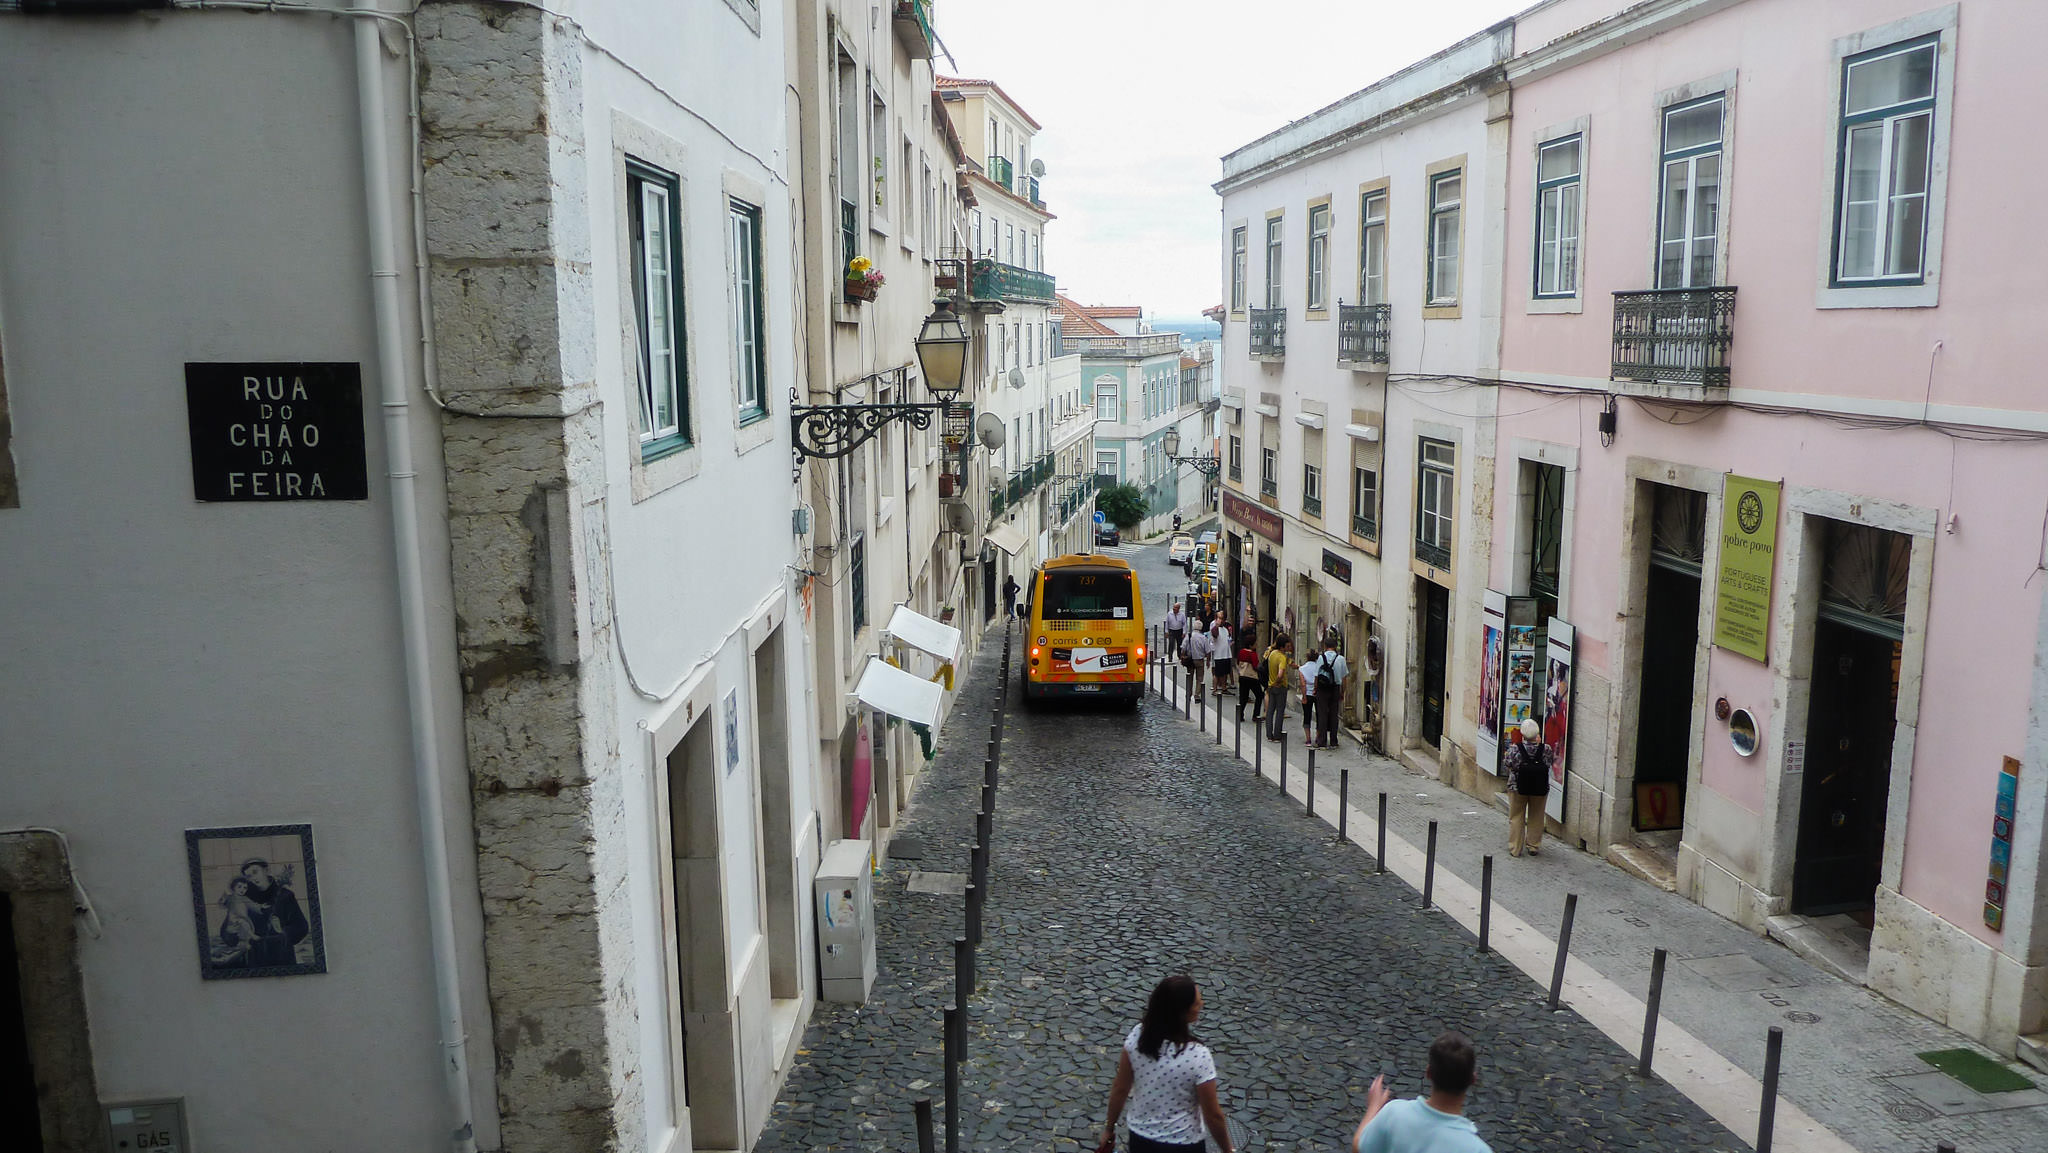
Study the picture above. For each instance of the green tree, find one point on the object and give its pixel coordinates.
(1123, 504)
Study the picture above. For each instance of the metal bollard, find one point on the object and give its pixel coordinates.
(974, 904)
(952, 1080)
(1485, 900)
(1187, 694)
(1564, 946)
(1767, 1115)
(1258, 751)
(963, 988)
(1201, 709)
(1380, 854)
(1343, 805)
(1308, 793)
(1650, 1010)
(1283, 763)
(1429, 868)
(926, 1143)
(1219, 722)
(1237, 741)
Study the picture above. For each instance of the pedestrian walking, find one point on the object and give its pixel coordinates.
(1196, 654)
(1307, 689)
(1331, 673)
(1168, 1077)
(1432, 1124)
(1176, 627)
(1219, 636)
(1010, 595)
(1280, 673)
(1527, 765)
(1251, 682)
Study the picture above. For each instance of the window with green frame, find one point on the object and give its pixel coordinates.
(654, 216)
(1557, 217)
(1886, 161)
(750, 361)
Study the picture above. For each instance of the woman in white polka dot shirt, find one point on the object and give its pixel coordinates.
(1169, 1078)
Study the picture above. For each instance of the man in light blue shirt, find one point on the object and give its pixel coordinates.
(1432, 1124)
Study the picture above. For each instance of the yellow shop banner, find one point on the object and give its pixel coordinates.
(1749, 545)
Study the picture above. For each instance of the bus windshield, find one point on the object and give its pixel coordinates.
(1102, 595)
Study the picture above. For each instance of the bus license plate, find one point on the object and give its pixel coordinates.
(1087, 688)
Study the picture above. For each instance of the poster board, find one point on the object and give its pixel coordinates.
(1749, 545)
(1557, 711)
(1493, 629)
(1522, 679)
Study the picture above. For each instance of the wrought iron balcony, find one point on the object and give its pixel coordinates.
(1312, 506)
(1677, 336)
(913, 22)
(994, 280)
(1269, 333)
(1002, 171)
(1031, 191)
(1269, 487)
(1433, 555)
(1363, 333)
(1364, 526)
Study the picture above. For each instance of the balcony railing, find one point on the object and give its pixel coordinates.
(1237, 472)
(1148, 344)
(913, 21)
(1363, 526)
(1674, 336)
(1269, 333)
(1031, 191)
(1021, 484)
(1433, 555)
(1002, 171)
(1363, 331)
(1269, 487)
(1312, 506)
(994, 280)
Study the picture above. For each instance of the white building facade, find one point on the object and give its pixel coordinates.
(1361, 255)
(476, 649)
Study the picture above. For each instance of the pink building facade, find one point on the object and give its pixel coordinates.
(1770, 441)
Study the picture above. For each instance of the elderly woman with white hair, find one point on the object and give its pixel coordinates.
(1527, 768)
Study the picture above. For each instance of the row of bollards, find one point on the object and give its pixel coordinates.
(1185, 693)
(965, 947)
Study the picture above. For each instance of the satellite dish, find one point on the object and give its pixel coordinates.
(1016, 378)
(1037, 167)
(988, 429)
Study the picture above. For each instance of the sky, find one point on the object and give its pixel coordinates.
(1140, 99)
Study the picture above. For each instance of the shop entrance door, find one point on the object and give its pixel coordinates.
(1848, 769)
(1436, 636)
(1671, 634)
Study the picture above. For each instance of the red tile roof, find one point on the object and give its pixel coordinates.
(1115, 311)
(1075, 321)
(961, 82)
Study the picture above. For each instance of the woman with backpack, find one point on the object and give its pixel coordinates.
(1527, 768)
(1168, 1077)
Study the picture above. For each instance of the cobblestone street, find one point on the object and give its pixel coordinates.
(1126, 849)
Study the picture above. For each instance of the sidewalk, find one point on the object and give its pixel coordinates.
(1850, 1075)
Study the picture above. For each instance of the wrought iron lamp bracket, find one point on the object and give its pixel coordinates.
(830, 431)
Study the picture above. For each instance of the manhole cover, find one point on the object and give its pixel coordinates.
(1802, 1017)
(947, 884)
(906, 848)
(1908, 1111)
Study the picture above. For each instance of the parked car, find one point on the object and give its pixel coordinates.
(1107, 534)
(1180, 548)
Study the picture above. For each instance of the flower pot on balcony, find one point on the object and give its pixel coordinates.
(858, 289)
(947, 485)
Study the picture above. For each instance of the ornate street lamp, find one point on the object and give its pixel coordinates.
(827, 431)
(1208, 466)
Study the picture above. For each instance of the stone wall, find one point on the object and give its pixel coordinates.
(509, 247)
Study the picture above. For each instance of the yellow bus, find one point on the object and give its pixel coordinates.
(1085, 631)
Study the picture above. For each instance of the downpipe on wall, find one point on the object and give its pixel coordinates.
(395, 381)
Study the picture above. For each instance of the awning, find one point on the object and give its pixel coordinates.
(921, 632)
(1309, 420)
(1362, 432)
(887, 689)
(1007, 537)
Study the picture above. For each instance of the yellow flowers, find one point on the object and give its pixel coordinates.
(858, 266)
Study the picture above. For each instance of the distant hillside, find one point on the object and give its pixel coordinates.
(1194, 328)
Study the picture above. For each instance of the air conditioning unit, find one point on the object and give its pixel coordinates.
(959, 517)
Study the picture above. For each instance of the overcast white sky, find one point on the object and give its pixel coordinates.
(1140, 99)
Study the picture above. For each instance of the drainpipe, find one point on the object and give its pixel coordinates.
(396, 381)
